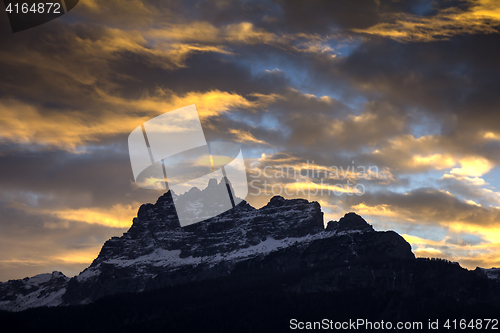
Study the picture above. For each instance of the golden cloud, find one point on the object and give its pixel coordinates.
(483, 254)
(434, 152)
(28, 124)
(205, 32)
(85, 256)
(244, 136)
(384, 210)
(127, 13)
(118, 216)
(211, 103)
(472, 167)
(482, 17)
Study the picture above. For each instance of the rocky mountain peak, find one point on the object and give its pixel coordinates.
(212, 183)
(162, 212)
(39, 290)
(276, 201)
(350, 221)
(156, 252)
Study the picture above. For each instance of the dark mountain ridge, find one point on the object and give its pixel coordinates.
(248, 263)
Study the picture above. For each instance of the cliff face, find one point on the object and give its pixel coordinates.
(156, 252)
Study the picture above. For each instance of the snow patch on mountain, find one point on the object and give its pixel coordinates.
(172, 258)
(492, 273)
(40, 290)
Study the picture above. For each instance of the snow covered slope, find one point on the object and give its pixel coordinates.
(40, 290)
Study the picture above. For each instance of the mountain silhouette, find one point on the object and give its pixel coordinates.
(247, 270)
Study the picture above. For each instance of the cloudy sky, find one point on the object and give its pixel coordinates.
(396, 103)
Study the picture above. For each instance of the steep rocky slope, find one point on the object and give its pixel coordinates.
(283, 241)
(156, 252)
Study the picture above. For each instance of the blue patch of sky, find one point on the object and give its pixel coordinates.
(250, 152)
(344, 156)
(422, 123)
(422, 230)
(266, 121)
(393, 187)
(493, 179)
(424, 128)
(300, 79)
(468, 239)
(426, 179)
(297, 76)
(422, 7)
(89, 150)
(342, 48)
(408, 183)
(355, 103)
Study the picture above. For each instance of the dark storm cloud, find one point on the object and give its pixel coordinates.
(457, 76)
(316, 17)
(452, 84)
(321, 16)
(441, 76)
(69, 174)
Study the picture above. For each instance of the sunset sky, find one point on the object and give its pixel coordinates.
(408, 88)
